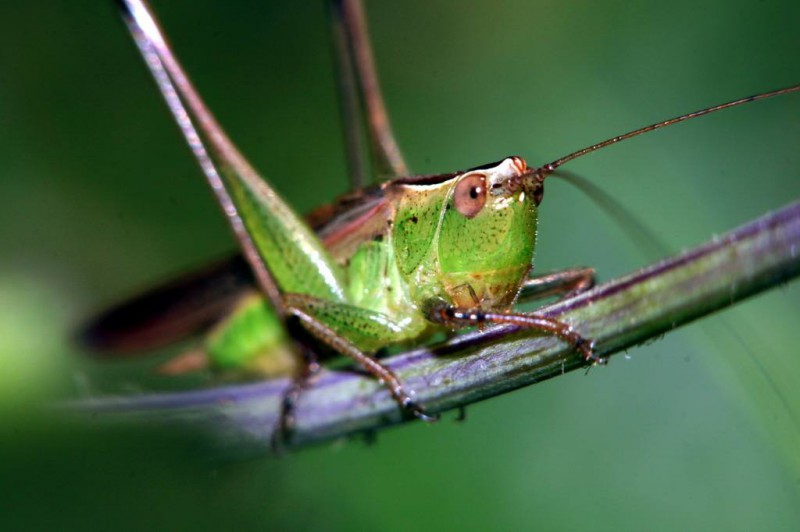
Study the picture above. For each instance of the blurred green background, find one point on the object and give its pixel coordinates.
(100, 197)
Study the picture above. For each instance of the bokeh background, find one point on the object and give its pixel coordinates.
(99, 197)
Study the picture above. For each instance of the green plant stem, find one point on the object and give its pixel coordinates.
(481, 364)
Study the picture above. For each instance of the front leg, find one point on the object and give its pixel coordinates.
(452, 316)
(563, 283)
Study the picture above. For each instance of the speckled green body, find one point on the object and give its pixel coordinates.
(371, 277)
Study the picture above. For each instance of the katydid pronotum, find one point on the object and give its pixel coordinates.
(393, 263)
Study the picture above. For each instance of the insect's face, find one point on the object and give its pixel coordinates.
(487, 235)
(468, 238)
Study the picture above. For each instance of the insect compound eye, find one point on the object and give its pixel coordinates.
(470, 195)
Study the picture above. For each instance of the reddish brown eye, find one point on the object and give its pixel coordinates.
(470, 195)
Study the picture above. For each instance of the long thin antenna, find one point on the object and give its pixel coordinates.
(549, 168)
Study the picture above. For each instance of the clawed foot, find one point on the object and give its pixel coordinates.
(586, 348)
(417, 411)
(286, 423)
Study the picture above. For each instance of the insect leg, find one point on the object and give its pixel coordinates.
(349, 104)
(311, 312)
(386, 153)
(283, 252)
(200, 129)
(286, 421)
(451, 316)
(564, 283)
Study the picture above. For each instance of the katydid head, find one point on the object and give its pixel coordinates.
(469, 237)
(487, 234)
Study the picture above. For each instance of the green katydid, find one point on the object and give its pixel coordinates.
(391, 264)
